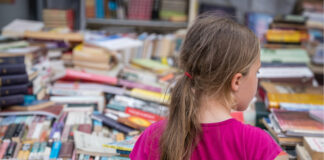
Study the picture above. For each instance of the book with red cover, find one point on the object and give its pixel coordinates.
(142, 114)
(77, 75)
(86, 128)
(298, 123)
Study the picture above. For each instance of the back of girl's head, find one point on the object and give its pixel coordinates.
(214, 50)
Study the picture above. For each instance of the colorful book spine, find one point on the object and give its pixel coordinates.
(13, 79)
(142, 114)
(12, 69)
(129, 84)
(67, 149)
(3, 148)
(55, 150)
(113, 124)
(13, 90)
(100, 12)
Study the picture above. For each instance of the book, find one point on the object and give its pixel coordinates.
(126, 145)
(66, 149)
(143, 114)
(98, 100)
(284, 55)
(277, 134)
(33, 106)
(151, 65)
(302, 154)
(51, 111)
(13, 80)
(273, 100)
(12, 69)
(43, 35)
(13, 90)
(92, 144)
(314, 146)
(149, 95)
(134, 122)
(114, 124)
(10, 60)
(17, 27)
(317, 115)
(77, 75)
(11, 100)
(296, 123)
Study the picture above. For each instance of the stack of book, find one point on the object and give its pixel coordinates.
(20, 68)
(287, 30)
(54, 18)
(289, 127)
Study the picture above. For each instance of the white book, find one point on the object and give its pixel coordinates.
(99, 100)
(285, 72)
(17, 27)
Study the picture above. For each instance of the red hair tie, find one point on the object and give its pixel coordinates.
(188, 75)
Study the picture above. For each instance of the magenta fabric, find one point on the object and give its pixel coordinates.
(229, 139)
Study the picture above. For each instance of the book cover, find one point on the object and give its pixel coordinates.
(114, 124)
(13, 79)
(134, 122)
(314, 146)
(142, 114)
(13, 90)
(126, 145)
(296, 123)
(66, 149)
(51, 111)
(77, 75)
(11, 100)
(317, 115)
(12, 69)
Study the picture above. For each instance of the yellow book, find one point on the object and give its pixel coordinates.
(274, 99)
(150, 96)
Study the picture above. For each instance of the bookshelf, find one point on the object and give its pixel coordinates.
(138, 23)
(156, 24)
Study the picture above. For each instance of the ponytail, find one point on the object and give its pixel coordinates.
(183, 126)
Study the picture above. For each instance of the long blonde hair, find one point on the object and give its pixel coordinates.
(214, 50)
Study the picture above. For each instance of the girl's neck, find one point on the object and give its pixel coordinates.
(212, 110)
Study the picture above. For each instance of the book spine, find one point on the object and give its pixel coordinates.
(10, 151)
(13, 90)
(11, 100)
(67, 149)
(100, 12)
(11, 69)
(132, 85)
(3, 148)
(13, 79)
(55, 150)
(142, 114)
(12, 60)
(112, 123)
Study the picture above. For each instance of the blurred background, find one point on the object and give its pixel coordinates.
(81, 79)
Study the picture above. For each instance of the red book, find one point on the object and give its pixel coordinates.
(142, 114)
(86, 128)
(78, 75)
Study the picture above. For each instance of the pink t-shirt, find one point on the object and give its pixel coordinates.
(229, 139)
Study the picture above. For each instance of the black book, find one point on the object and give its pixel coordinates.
(10, 131)
(12, 60)
(13, 90)
(11, 100)
(11, 69)
(13, 80)
(10, 150)
(156, 9)
(114, 124)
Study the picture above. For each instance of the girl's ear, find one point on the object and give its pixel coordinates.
(236, 81)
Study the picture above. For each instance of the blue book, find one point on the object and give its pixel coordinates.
(12, 60)
(11, 69)
(13, 80)
(55, 150)
(100, 12)
(13, 90)
(11, 100)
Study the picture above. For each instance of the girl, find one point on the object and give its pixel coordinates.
(221, 59)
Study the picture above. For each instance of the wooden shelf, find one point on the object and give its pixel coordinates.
(136, 23)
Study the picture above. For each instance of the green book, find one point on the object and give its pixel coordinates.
(284, 56)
